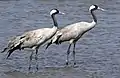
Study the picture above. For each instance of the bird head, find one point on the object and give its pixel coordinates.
(95, 7)
(55, 11)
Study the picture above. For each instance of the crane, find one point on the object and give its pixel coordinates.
(33, 39)
(74, 32)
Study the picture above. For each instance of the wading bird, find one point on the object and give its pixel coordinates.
(33, 39)
(74, 32)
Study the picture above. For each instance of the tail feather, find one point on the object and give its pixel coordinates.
(55, 40)
(4, 50)
(8, 50)
(14, 44)
(48, 45)
(9, 53)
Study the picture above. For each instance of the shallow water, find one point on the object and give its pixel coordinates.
(97, 52)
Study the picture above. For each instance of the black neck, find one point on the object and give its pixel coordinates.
(54, 20)
(94, 17)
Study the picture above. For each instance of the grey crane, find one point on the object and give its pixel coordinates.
(74, 32)
(33, 39)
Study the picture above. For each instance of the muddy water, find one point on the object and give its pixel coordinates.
(97, 52)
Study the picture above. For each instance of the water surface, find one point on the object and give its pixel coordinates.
(97, 52)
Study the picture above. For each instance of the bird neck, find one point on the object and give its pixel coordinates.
(94, 17)
(54, 21)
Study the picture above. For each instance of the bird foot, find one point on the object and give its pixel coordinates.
(29, 68)
(66, 63)
(36, 67)
(74, 63)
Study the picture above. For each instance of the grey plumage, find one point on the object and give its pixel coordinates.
(74, 32)
(33, 39)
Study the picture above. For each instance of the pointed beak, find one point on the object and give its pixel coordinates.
(101, 9)
(61, 13)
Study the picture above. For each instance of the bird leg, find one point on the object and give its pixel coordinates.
(74, 54)
(68, 52)
(30, 61)
(36, 58)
